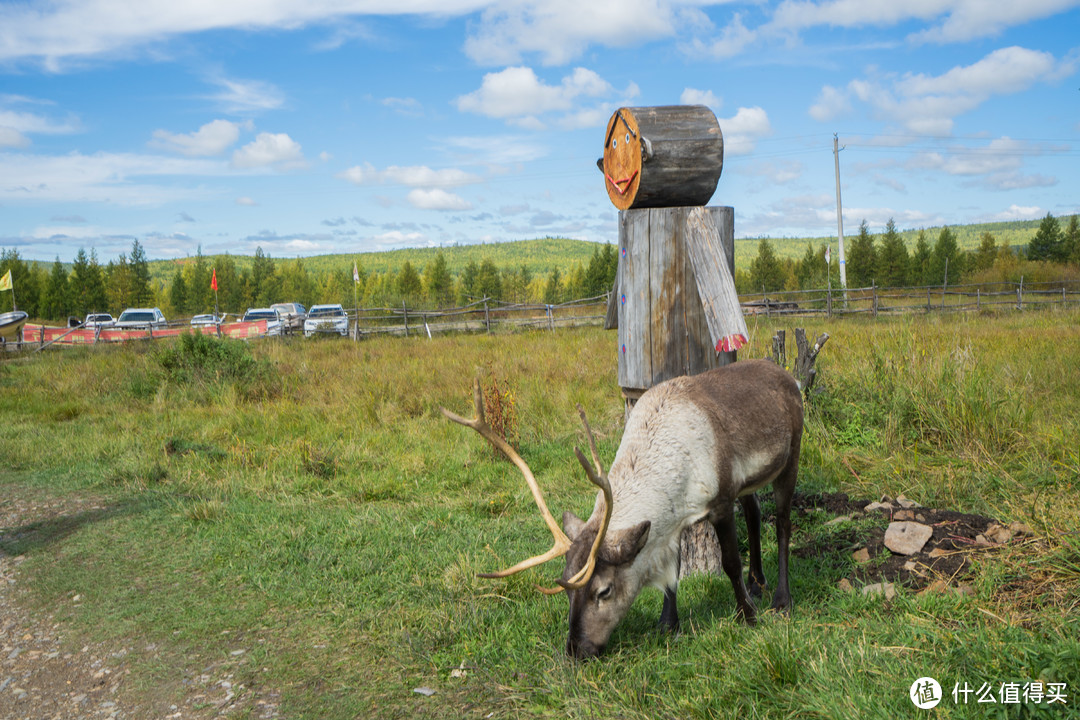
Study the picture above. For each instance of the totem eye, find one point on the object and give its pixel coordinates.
(614, 142)
(627, 138)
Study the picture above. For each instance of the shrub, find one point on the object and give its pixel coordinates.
(197, 360)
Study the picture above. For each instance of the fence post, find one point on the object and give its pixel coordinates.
(487, 315)
(1020, 294)
(928, 307)
(766, 299)
(405, 311)
(551, 318)
(978, 299)
(828, 302)
(873, 289)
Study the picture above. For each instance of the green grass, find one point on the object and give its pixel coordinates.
(331, 523)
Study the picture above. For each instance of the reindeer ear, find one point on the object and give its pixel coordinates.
(572, 525)
(623, 547)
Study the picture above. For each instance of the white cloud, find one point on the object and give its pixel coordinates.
(270, 150)
(246, 201)
(103, 177)
(692, 96)
(733, 39)
(560, 30)
(10, 137)
(517, 92)
(412, 176)
(213, 138)
(742, 131)
(1016, 212)
(246, 96)
(17, 125)
(928, 105)
(437, 199)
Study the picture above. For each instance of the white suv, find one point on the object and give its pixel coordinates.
(326, 319)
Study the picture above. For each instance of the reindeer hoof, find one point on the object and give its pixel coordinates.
(756, 589)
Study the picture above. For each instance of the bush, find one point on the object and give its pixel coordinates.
(197, 360)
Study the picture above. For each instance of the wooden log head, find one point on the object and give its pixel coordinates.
(665, 156)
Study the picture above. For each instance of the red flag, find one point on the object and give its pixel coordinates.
(213, 281)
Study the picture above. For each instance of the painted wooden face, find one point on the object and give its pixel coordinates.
(622, 158)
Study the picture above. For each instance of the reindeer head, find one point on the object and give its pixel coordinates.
(596, 578)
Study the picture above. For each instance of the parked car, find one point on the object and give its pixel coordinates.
(273, 319)
(293, 314)
(141, 319)
(209, 320)
(98, 320)
(326, 319)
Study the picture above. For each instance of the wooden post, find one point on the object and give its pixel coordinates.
(765, 299)
(487, 315)
(828, 302)
(978, 298)
(873, 289)
(928, 306)
(779, 348)
(405, 310)
(1020, 294)
(804, 370)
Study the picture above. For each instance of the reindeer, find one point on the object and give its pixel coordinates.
(692, 446)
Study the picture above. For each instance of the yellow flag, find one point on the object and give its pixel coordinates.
(5, 282)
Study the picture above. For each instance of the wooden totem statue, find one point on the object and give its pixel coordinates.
(674, 300)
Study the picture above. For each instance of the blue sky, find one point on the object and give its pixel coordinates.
(317, 126)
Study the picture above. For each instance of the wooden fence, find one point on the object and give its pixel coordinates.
(489, 315)
(876, 301)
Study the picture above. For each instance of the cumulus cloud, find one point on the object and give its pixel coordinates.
(213, 138)
(742, 131)
(518, 96)
(693, 96)
(247, 96)
(270, 150)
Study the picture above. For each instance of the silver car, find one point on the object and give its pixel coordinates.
(274, 323)
(141, 319)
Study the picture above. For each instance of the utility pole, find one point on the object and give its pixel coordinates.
(839, 217)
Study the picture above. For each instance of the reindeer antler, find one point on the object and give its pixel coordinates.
(562, 543)
(598, 478)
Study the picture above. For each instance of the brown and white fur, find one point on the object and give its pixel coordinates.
(692, 446)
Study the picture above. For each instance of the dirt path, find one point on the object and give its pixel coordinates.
(48, 675)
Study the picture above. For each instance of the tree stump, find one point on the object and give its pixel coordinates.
(699, 550)
(803, 370)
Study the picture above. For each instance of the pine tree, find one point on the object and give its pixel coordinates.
(408, 282)
(55, 303)
(488, 281)
(142, 294)
(919, 272)
(1048, 243)
(178, 293)
(469, 291)
(862, 259)
(766, 272)
(118, 284)
(986, 254)
(945, 257)
(553, 288)
(200, 296)
(438, 285)
(893, 260)
(1071, 241)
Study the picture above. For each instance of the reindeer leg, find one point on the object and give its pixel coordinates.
(783, 490)
(669, 614)
(732, 564)
(756, 576)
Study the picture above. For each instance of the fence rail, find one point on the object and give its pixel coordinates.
(488, 315)
(876, 301)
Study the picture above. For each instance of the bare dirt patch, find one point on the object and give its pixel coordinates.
(45, 674)
(944, 562)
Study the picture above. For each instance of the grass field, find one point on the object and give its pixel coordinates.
(308, 503)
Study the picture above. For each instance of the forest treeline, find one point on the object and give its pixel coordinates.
(884, 260)
(58, 291)
(541, 271)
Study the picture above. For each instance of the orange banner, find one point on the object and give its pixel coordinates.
(85, 336)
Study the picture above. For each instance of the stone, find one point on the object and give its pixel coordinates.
(907, 537)
(839, 519)
(981, 541)
(903, 515)
(905, 503)
(886, 589)
(861, 556)
(999, 534)
(878, 506)
(845, 585)
(1020, 528)
(938, 552)
(964, 589)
